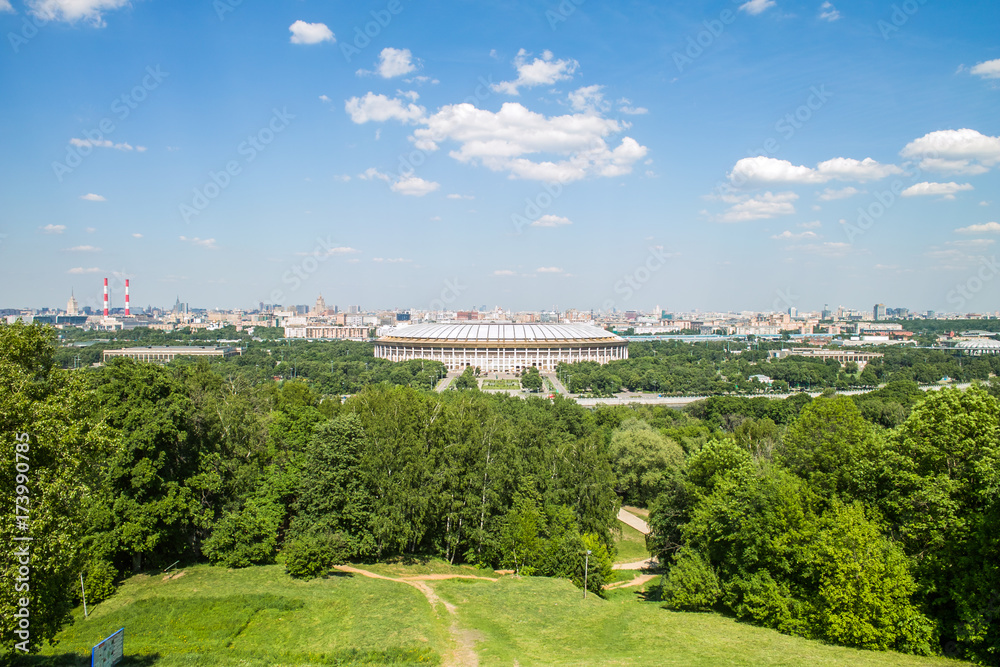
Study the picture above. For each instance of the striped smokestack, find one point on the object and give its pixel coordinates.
(127, 313)
(105, 297)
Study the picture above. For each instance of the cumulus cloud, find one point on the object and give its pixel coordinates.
(754, 7)
(760, 207)
(792, 236)
(502, 141)
(414, 186)
(984, 228)
(5, 6)
(627, 108)
(392, 63)
(105, 143)
(988, 70)
(310, 33)
(204, 243)
(74, 10)
(831, 194)
(379, 108)
(815, 224)
(84, 248)
(81, 270)
(504, 272)
(137, 235)
(457, 196)
(588, 99)
(962, 151)
(542, 71)
(551, 221)
(391, 260)
(828, 12)
(549, 269)
(92, 197)
(53, 229)
(763, 170)
(946, 190)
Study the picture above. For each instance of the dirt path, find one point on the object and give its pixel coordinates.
(464, 653)
(638, 581)
(648, 564)
(632, 520)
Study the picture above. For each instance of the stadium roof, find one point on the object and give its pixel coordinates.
(499, 332)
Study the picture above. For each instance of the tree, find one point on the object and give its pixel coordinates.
(531, 379)
(467, 380)
(642, 459)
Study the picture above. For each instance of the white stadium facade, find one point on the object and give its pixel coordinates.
(501, 347)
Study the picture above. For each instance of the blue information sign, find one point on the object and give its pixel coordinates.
(109, 651)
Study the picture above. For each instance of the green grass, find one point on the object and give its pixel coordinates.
(631, 545)
(260, 617)
(501, 384)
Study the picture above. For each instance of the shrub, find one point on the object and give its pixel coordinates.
(691, 584)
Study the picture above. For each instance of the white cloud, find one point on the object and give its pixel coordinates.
(310, 33)
(754, 7)
(828, 12)
(205, 243)
(826, 249)
(84, 248)
(588, 99)
(627, 108)
(988, 70)
(379, 108)
(760, 207)
(456, 196)
(74, 10)
(549, 269)
(324, 98)
(414, 186)
(539, 72)
(105, 143)
(137, 235)
(53, 229)
(343, 178)
(391, 260)
(504, 272)
(5, 6)
(972, 243)
(91, 230)
(792, 236)
(946, 190)
(762, 170)
(815, 224)
(551, 221)
(393, 62)
(92, 197)
(985, 228)
(962, 151)
(342, 250)
(81, 270)
(502, 141)
(830, 194)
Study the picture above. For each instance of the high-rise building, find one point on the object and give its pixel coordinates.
(879, 312)
(72, 307)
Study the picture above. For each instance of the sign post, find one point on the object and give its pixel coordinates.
(109, 651)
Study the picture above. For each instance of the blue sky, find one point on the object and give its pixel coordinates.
(715, 155)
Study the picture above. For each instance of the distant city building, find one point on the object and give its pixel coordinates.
(317, 331)
(879, 312)
(843, 356)
(72, 307)
(402, 317)
(502, 347)
(320, 307)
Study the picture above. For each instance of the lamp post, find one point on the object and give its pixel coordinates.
(586, 571)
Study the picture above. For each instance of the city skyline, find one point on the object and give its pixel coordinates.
(757, 156)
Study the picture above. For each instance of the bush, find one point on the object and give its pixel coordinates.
(245, 538)
(311, 555)
(691, 584)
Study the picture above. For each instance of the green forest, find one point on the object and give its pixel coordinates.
(867, 521)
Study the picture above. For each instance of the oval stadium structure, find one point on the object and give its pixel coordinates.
(502, 347)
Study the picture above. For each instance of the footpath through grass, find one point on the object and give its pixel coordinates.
(260, 617)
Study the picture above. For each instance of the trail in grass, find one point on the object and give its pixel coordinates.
(648, 564)
(632, 520)
(464, 654)
(638, 581)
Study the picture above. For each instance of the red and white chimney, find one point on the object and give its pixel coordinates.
(105, 297)
(127, 313)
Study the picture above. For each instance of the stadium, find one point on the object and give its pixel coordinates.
(502, 347)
